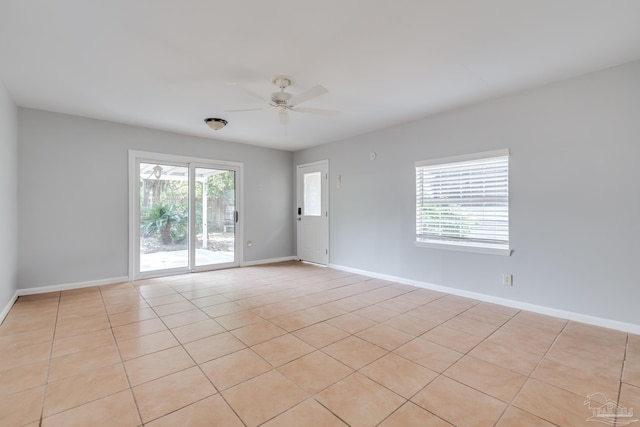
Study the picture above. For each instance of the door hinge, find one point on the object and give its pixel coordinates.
(236, 218)
(326, 176)
(326, 251)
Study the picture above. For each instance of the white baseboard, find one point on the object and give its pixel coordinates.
(112, 280)
(7, 307)
(267, 261)
(569, 315)
(549, 311)
(68, 286)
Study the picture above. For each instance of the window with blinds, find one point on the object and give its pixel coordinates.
(463, 202)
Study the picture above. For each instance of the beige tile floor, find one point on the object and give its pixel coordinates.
(298, 345)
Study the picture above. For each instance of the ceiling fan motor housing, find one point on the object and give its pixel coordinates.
(282, 81)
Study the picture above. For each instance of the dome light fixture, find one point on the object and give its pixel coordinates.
(215, 123)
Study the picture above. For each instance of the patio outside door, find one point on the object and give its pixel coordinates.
(185, 215)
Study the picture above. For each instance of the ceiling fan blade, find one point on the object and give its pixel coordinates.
(244, 109)
(319, 111)
(248, 91)
(284, 117)
(307, 95)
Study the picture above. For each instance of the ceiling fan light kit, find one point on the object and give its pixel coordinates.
(215, 123)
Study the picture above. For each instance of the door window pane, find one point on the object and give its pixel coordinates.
(215, 209)
(312, 194)
(164, 216)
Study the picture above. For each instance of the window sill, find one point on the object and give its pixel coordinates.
(493, 250)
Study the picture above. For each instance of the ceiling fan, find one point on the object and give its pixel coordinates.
(283, 102)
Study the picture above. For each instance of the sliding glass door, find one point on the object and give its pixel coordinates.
(185, 215)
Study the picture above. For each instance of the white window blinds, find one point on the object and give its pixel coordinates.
(464, 200)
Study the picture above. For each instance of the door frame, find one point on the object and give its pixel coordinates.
(136, 156)
(325, 163)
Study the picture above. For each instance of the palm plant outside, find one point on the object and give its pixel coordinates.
(160, 219)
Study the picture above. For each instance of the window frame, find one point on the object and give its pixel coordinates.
(464, 245)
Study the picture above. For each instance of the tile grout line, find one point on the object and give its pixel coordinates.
(624, 362)
(130, 389)
(181, 345)
(530, 376)
(71, 376)
(442, 374)
(276, 368)
(534, 369)
(46, 381)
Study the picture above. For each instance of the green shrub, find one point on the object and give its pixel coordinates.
(166, 220)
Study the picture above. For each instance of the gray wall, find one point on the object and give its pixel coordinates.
(574, 187)
(8, 197)
(73, 195)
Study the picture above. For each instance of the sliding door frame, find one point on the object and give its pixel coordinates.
(135, 157)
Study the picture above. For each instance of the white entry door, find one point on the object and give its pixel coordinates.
(313, 212)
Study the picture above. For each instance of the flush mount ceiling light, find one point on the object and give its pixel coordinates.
(215, 123)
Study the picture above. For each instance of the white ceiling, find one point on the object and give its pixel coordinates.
(166, 64)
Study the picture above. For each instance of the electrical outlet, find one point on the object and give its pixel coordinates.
(507, 279)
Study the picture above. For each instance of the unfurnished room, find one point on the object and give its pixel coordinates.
(327, 214)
